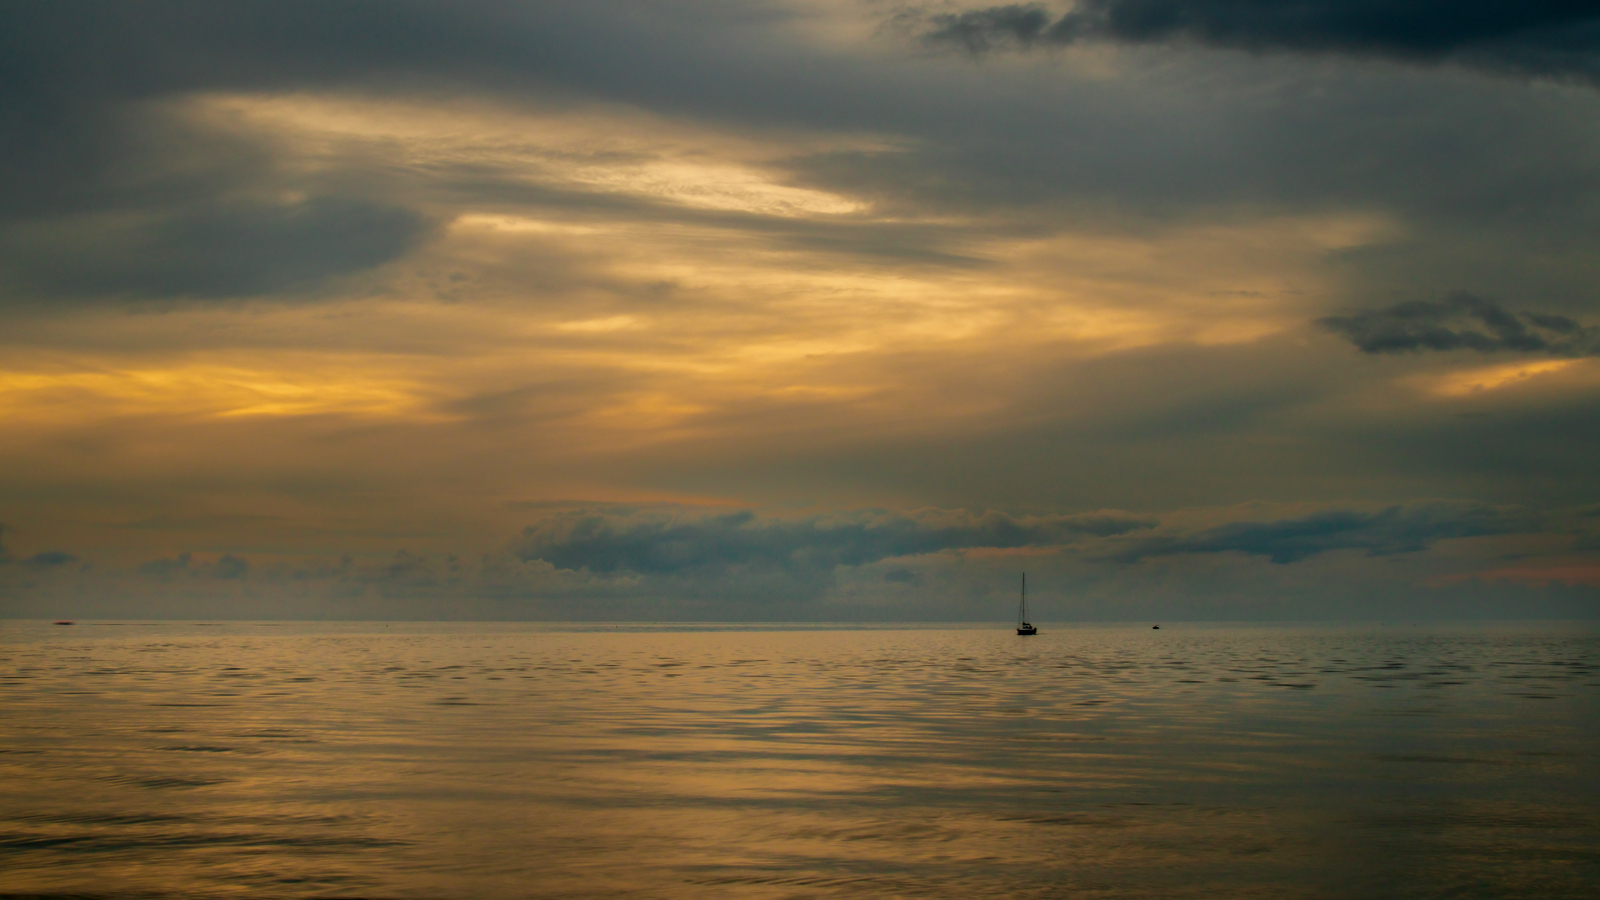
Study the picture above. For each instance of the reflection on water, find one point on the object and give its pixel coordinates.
(501, 761)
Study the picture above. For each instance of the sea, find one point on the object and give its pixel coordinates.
(480, 761)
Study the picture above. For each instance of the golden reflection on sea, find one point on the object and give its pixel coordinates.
(507, 761)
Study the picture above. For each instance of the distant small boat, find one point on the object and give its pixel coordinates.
(64, 622)
(1023, 625)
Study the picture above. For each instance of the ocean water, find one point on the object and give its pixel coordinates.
(508, 761)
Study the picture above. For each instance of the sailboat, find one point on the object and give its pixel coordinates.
(1023, 625)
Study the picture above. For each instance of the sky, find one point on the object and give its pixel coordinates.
(800, 310)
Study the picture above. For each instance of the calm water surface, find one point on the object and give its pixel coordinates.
(506, 761)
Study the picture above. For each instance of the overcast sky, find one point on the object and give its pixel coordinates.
(790, 310)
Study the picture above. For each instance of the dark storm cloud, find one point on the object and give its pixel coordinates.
(1559, 38)
(1409, 528)
(1463, 322)
(656, 544)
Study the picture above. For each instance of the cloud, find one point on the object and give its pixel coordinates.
(110, 194)
(225, 568)
(1063, 290)
(654, 543)
(1408, 528)
(111, 191)
(229, 567)
(683, 563)
(232, 249)
(49, 559)
(165, 569)
(980, 30)
(1463, 322)
(1553, 38)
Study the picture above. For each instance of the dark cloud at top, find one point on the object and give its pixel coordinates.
(71, 70)
(1559, 38)
(1463, 322)
(79, 149)
(82, 138)
(78, 138)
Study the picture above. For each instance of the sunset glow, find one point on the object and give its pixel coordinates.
(819, 263)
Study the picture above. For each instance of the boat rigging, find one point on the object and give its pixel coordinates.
(1023, 625)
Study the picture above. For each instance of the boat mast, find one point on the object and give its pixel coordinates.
(1022, 610)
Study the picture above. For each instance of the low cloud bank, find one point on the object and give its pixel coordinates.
(1410, 528)
(681, 563)
(1463, 322)
(1547, 38)
(657, 543)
